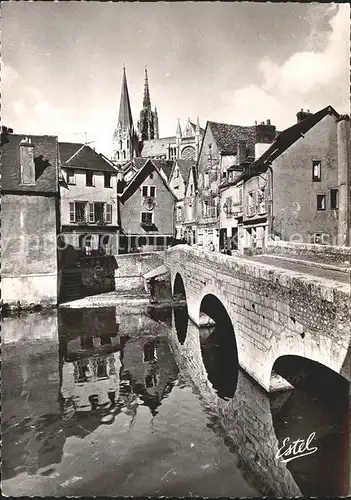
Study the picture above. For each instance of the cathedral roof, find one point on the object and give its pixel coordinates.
(157, 147)
(125, 114)
(227, 136)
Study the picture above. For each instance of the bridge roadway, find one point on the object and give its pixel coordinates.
(312, 268)
(277, 307)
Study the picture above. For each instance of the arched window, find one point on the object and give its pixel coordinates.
(127, 143)
(117, 155)
(124, 155)
(120, 145)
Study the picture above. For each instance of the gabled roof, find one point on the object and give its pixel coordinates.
(68, 149)
(139, 177)
(192, 171)
(45, 161)
(162, 164)
(227, 136)
(184, 168)
(202, 130)
(84, 158)
(285, 139)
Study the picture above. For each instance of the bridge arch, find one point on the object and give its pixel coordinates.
(218, 346)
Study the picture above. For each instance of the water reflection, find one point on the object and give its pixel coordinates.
(254, 426)
(74, 385)
(102, 368)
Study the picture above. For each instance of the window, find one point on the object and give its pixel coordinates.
(128, 143)
(147, 218)
(179, 213)
(261, 200)
(206, 180)
(149, 191)
(228, 206)
(108, 218)
(107, 180)
(124, 155)
(120, 145)
(176, 173)
(316, 171)
(151, 175)
(89, 176)
(250, 204)
(334, 199)
(117, 155)
(77, 211)
(99, 212)
(71, 178)
(91, 212)
(224, 175)
(321, 201)
(321, 238)
(191, 190)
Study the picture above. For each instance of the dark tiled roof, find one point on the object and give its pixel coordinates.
(45, 160)
(185, 167)
(88, 159)
(165, 165)
(149, 166)
(285, 139)
(67, 149)
(227, 136)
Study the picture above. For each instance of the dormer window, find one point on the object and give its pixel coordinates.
(71, 178)
(89, 178)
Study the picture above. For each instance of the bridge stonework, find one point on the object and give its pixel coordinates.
(274, 311)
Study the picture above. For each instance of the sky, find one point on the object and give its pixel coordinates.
(228, 62)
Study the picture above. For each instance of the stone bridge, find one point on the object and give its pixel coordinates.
(275, 313)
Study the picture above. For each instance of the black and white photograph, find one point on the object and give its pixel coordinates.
(175, 249)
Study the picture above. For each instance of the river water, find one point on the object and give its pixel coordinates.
(138, 401)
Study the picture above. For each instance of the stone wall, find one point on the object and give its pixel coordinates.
(132, 267)
(97, 274)
(329, 254)
(28, 250)
(273, 312)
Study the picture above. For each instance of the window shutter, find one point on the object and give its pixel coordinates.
(109, 213)
(71, 212)
(91, 212)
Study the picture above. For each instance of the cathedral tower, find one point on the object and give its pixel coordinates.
(148, 124)
(125, 143)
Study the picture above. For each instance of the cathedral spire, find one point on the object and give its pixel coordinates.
(125, 120)
(146, 100)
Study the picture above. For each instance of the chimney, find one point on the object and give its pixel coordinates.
(241, 151)
(301, 115)
(265, 136)
(27, 161)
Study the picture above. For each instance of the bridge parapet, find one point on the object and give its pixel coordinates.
(328, 253)
(274, 311)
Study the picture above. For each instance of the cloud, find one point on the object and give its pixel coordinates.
(312, 78)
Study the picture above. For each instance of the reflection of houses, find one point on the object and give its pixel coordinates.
(146, 210)
(88, 189)
(91, 381)
(29, 224)
(298, 189)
